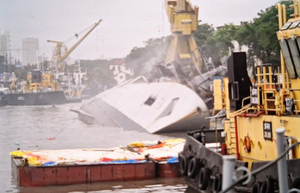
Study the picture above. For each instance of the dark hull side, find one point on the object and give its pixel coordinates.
(75, 100)
(202, 168)
(39, 98)
(3, 101)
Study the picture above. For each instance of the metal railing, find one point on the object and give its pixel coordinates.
(229, 177)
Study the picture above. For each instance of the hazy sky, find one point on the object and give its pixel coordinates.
(126, 23)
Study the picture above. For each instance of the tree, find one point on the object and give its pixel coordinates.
(261, 34)
(224, 35)
(98, 73)
(204, 37)
(203, 34)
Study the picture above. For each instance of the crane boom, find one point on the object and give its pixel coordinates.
(58, 57)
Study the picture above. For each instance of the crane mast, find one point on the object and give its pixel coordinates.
(58, 56)
(183, 18)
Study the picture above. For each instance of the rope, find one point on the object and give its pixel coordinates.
(61, 130)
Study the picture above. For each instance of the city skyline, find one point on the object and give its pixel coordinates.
(125, 24)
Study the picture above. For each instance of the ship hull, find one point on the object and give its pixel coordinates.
(38, 98)
(3, 101)
(155, 107)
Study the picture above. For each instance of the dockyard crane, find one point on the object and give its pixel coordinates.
(183, 18)
(61, 51)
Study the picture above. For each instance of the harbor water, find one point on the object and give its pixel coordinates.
(48, 127)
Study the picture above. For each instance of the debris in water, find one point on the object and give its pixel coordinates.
(115, 187)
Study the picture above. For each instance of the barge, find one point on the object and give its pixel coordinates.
(137, 161)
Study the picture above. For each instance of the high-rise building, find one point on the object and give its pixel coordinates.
(30, 48)
(5, 46)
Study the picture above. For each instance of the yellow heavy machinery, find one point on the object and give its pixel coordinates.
(61, 51)
(38, 81)
(183, 18)
(250, 117)
(42, 81)
(11, 86)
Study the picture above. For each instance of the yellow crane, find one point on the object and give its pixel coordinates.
(183, 18)
(61, 51)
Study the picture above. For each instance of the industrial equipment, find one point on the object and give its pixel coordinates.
(249, 114)
(183, 52)
(61, 51)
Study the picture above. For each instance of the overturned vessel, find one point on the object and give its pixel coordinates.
(162, 106)
(137, 104)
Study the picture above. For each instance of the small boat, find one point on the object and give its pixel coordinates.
(156, 107)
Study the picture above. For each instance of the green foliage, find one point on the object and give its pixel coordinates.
(224, 35)
(204, 37)
(98, 73)
(260, 34)
(203, 34)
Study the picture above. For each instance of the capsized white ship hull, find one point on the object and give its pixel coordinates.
(155, 107)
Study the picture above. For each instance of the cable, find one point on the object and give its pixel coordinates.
(263, 167)
(79, 33)
(63, 128)
(162, 19)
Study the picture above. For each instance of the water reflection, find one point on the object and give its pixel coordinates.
(158, 186)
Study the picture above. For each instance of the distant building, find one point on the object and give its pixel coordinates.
(42, 59)
(2, 64)
(30, 48)
(120, 72)
(5, 46)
